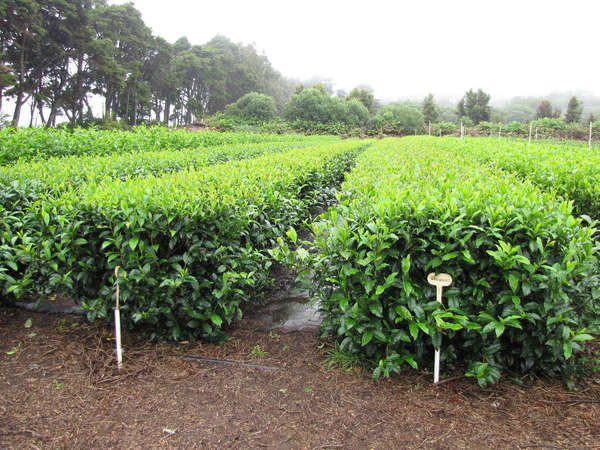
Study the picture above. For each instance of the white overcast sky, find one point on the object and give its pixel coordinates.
(406, 48)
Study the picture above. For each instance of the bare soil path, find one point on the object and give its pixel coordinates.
(59, 388)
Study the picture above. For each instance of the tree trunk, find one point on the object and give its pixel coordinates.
(32, 111)
(127, 106)
(79, 90)
(17, 114)
(107, 104)
(134, 108)
(89, 108)
(167, 111)
(40, 106)
(52, 116)
(1, 62)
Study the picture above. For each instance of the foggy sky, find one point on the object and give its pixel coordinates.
(404, 48)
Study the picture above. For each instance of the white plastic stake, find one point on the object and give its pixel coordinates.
(530, 127)
(430, 128)
(440, 281)
(590, 140)
(499, 131)
(118, 324)
(536, 133)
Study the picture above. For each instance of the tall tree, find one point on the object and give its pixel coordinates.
(124, 49)
(162, 78)
(544, 110)
(65, 52)
(475, 106)
(430, 109)
(20, 34)
(574, 110)
(365, 96)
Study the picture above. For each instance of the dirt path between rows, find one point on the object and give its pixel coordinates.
(59, 388)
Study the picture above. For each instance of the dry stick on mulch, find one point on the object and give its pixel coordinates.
(574, 401)
(448, 380)
(229, 362)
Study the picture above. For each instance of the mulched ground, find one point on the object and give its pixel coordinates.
(60, 388)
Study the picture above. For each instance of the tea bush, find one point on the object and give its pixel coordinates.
(190, 245)
(525, 295)
(564, 167)
(40, 143)
(25, 182)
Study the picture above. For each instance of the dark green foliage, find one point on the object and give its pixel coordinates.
(26, 182)
(314, 105)
(190, 245)
(36, 143)
(253, 107)
(365, 96)
(396, 119)
(574, 110)
(61, 52)
(565, 168)
(430, 110)
(515, 129)
(544, 110)
(475, 106)
(525, 295)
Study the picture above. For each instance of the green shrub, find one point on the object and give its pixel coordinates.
(566, 168)
(32, 143)
(396, 119)
(444, 127)
(525, 295)
(253, 107)
(26, 182)
(515, 129)
(190, 244)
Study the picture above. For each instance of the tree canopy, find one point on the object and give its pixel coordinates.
(253, 107)
(475, 106)
(544, 110)
(430, 110)
(57, 54)
(574, 110)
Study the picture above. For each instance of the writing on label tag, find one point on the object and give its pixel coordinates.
(441, 279)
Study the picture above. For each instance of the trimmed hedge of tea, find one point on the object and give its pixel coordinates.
(525, 295)
(39, 143)
(25, 181)
(570, 169)
(190, 245)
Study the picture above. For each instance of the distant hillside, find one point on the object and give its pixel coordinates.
(522, 109)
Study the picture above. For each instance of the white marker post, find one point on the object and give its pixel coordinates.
(440, 281)
(536, 133)
(590, 140)
(430, 128)
(499, 131)
(118, 324)
(530, 127)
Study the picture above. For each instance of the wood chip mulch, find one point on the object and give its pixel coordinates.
(60, 388)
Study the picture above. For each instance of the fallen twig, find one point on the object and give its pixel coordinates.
(582, 400)
(235, 363)
(448, 380)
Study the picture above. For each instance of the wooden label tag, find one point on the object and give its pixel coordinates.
(441, 279)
